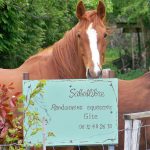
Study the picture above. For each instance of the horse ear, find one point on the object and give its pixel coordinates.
(101, 11)
(80, 10)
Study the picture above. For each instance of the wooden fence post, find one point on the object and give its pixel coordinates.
(128, 135)
(136, 134)
(132, 134)
(108, 73)
(26, 76)
(44, 133)
(111, 147)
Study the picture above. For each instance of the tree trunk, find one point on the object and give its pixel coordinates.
(132, 44)
(144, 39)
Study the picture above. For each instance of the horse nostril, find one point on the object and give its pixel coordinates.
(99, 73)
(93, 74)
(88, 73)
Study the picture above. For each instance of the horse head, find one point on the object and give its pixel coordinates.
(91, 37)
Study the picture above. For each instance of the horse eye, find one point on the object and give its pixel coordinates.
(105, 35)
(78, 35)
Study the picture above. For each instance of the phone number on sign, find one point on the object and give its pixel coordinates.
(94, 126)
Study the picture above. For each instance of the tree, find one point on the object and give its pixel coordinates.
(139, 12)
(28, 25)
(18, 28)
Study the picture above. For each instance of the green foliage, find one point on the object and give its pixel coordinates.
(136, 9)
(18, 28)
(131, 12)
(61, 18)
(133, 74)
(93, 4)
(111, 54)
(26, 26)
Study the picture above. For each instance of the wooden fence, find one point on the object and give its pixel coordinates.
(132, 129)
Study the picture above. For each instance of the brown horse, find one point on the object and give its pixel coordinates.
(134, 96)
(79, 54)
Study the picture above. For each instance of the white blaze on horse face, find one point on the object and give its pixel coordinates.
(92, 36)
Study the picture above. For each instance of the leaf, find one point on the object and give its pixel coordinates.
(36, 130)
(4, 132)
(19, 127)
(11, 147)
(11, 88)
(12, 131)
(51, 134)
(21, 98)
(5, 98)
(1, 36)
(17, 94)
(4, 20)
(10, 84)
(10, 113)
(20, 142)
(3, 113)
(2, 123)
(12, 103)
(31, 102)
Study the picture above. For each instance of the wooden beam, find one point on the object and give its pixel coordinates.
(136, 135)
(128, 135)
(131, 29)
(44, 133)
(26, 76)
(108, 73)
(111, 147)
(138, 115)
(139, 45)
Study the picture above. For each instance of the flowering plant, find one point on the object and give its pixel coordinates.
(8, 102)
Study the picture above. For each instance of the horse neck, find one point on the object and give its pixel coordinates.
(66, 56)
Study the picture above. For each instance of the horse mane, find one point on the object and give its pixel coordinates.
(65, 51)
(42, 52)
(65, 55)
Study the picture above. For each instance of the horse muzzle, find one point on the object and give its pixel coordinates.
(91, 73)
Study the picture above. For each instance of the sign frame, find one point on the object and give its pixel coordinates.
(72, 85)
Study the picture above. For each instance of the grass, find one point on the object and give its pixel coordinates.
(111, 54)
(133, 74)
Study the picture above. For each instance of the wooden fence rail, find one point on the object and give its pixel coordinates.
(132, 129)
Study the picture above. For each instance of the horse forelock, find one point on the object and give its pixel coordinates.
(91, 16)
